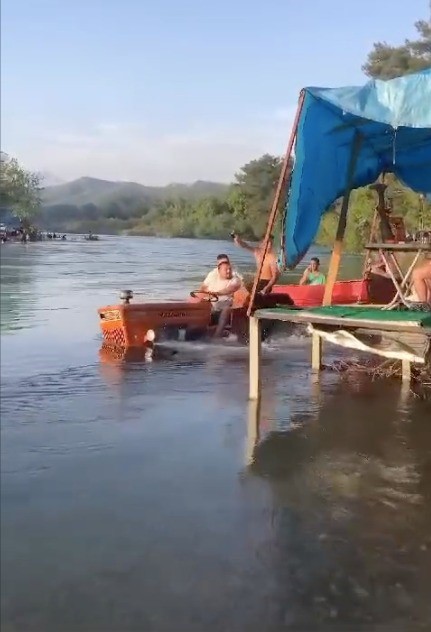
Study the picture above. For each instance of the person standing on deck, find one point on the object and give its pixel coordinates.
(270, 270)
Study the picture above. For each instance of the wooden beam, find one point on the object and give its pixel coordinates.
(406, 370)
(372, 238)
(276, 201)
(316, 351)
(334, 264)
(302, 316)
(255, 349)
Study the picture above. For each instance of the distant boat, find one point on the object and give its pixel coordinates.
(91, 237)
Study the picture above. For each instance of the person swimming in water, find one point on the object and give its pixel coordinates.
(312, 275)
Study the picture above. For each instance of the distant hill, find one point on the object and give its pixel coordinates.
(112, 207)
(103, 192)
(49, 179)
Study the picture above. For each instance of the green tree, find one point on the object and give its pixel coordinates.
(387, 62)
(252, 194)
(19, 191)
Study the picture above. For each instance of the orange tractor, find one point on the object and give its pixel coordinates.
(139, 325)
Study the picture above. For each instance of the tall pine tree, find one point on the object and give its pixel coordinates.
(387, 62)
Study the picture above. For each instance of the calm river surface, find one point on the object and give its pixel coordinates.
(139, 498)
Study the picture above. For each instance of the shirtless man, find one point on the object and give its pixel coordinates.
(378, 267)
(270, 271)
(223, 285)
(421, 278)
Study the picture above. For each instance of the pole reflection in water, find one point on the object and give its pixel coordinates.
(350, 511)
(264, 418)
(253, 430)
(18, 288)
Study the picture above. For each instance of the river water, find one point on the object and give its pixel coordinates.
(153, 497)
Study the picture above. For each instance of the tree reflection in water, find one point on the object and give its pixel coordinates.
(17, 279)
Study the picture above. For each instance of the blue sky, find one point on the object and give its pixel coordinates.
(174, 90)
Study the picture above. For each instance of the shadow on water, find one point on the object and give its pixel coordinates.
(351, 510)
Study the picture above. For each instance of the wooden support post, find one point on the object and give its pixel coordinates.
(316, 351)
(372, 239)
(276, 201)
(341, 229)
(255, 348)
(406, 367)
(253, 430)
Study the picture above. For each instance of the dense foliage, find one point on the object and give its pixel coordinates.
(209, 211)
(404, 202)
(386, 62)
(19, 191)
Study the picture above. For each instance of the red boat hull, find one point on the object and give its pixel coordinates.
(375, 290)
(345, 293)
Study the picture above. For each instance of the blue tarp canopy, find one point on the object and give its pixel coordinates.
(393, 119)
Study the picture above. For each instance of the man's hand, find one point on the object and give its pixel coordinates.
(242, 244)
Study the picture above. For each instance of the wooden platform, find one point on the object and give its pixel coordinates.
(390, 321)
(408, 246)
(409, 328)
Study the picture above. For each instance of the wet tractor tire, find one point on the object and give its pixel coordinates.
(168, 334)
(174, 334)
(195, 334)
(268, 327)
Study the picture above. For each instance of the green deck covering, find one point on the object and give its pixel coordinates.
(357, 312)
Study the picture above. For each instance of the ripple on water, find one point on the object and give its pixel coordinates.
(126, 493)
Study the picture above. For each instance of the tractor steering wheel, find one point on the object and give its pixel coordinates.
(210, 296)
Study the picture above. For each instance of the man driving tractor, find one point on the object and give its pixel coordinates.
(214, 274)
(222, 285)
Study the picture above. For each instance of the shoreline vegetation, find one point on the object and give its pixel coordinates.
(209, 209)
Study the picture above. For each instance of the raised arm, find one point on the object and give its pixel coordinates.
(304, 277)
(243, 244)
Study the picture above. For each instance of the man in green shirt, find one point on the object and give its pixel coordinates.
(311, 275)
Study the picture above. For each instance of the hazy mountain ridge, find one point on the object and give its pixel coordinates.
(87, 190)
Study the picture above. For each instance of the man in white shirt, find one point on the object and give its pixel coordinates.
(223, 284)
(213, 275)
